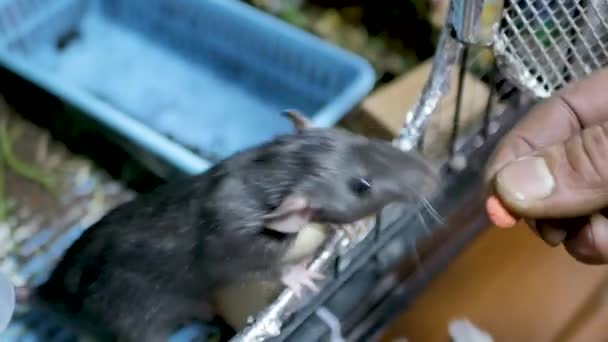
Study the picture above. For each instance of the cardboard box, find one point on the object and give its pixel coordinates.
(383, 112)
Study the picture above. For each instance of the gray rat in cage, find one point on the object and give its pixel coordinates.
(152, 263)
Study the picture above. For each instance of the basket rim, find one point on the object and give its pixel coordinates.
(174, 153)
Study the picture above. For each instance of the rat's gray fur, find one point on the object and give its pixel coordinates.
(153, 262)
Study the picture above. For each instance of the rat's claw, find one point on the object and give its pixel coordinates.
(349, 229)
(298, 276)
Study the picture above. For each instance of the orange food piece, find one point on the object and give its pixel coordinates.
(498, 214)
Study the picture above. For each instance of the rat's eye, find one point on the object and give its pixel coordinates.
(360, 186)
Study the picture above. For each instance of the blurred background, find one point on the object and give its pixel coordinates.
(393, 36)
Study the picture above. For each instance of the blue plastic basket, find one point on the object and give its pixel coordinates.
(184, 82)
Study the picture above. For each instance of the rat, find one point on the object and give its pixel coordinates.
(152, 263)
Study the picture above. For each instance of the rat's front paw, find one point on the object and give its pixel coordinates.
(298, 276)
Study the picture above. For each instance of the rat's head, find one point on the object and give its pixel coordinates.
(362, 176)
(356, 177)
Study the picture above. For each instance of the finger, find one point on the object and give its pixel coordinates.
(575, 107)
(590, 244)
(564, 180)
(552, 236)
(554, 232)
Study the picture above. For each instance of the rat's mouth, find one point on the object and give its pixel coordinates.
(322, 216)
(344, 217)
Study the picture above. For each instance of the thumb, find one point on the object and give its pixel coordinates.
(569, 179)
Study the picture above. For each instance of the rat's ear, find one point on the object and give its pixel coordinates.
(290, 216)
(298, 120)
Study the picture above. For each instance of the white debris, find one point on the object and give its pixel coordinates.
(462, 330)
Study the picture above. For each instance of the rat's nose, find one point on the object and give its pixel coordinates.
(422, 179)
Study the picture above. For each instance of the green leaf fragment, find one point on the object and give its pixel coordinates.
(21, 168)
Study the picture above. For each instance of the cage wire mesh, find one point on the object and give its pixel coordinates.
(537, 48)
(543, 45)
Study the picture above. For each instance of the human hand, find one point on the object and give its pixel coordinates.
(551, 169)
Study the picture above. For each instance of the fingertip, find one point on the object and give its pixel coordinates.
(581, 248)
(599, 235)
(590, 245)
(498, 214)
(552, 236)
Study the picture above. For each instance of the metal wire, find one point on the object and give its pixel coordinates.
(487, 115)
(459, 94)
(543, 45)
